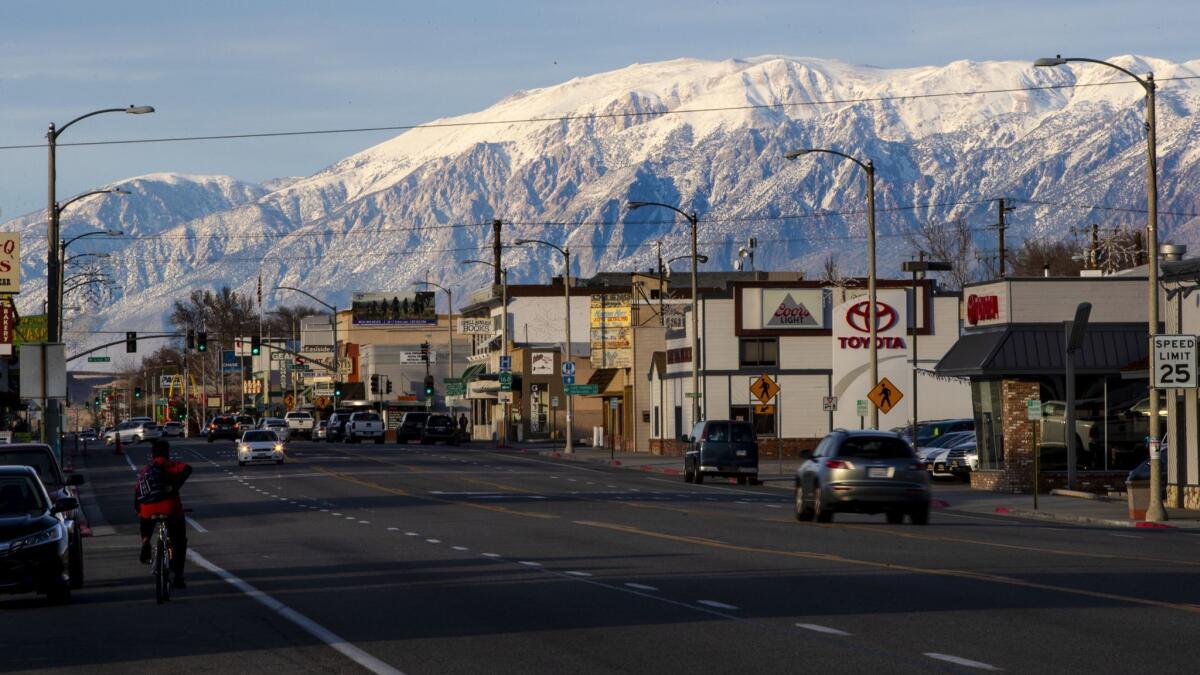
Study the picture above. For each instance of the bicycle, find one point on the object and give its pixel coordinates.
(161, 552)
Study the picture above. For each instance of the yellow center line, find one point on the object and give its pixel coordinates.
(830, 557)
(397, 491)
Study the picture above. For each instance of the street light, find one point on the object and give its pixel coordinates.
(1155, 512)
(503, 335)
(692, 220)
(569, 446)
(53, 269)
(449, 329)
(919, 267)
(869, 167)
(333, 322)
(700, 257)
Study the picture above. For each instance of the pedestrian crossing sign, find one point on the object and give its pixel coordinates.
(764, 388)
(885, 395)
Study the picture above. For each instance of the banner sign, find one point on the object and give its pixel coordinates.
(385, 309)
(791, 309)
(611, 330)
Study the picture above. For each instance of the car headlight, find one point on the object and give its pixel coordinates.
(279, 447)
(243, 448)
(46, 536)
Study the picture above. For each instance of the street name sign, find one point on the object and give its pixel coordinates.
(582, 389)
(1175, 362)
(98, 359)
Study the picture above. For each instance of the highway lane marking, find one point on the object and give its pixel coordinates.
(460, 548)
(576, 573)
(434, 541)
(402, 493)
(393, 529)
(364, 522)
(1126, 536)
(328, 637)
(195, 526)
(912, 569)
(412, 534)
(491, 555)
(718, 605)
(640, 587)
(817, 628)
(960, 661)
(529, 563)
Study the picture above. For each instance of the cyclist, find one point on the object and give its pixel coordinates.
(157, 494)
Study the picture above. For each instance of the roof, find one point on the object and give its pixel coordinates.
(1039, 350)
(608, 381)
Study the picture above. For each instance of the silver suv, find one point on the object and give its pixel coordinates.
(862, 472)
(133, 432)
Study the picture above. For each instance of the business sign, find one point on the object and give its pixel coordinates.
(851, 347)
(277, 355)
(611, 330)
(417, 358)
(8, 327)
(1174, 362)
(10, 262)
(541, 363)
(252, 386)
(793, 308)
(982, 308)
(389, 309)
(476, 326)
(317, 349)
(31, 329)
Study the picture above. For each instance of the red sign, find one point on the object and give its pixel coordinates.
(8, 324)
(885, 316)
(982, 308)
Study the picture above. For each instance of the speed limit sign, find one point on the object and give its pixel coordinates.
(1174, 362)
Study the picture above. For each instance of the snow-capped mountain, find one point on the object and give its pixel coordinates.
(559, 163)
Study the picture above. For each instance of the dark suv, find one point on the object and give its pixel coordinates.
(223, 426)
(721, 448)
(40, 458)
(862, 472)
(439, 428)
(412, 427)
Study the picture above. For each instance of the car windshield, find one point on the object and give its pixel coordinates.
(273, 422)
(223, 420)
(741, 432)
(874, 447)
(438, 419)
(416, 418)
(245, 420)
(298, 416)
(259, 437)
(18, 496)
(367, 417)
(38, 459)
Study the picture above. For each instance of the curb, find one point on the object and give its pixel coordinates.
(1080, 520)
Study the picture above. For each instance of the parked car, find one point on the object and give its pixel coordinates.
(276, 424)
(936, 445)
(300, 423)
(41, 459)
(412, 425)
(259, 445)
(172, 430)
(439, 428)
(223, 426)
(721, 448)
(862, 472)
(364, 425)
(35, 546)
(931, 430)
(318, 433)
(133, 432)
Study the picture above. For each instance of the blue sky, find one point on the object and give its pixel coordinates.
(226, 67)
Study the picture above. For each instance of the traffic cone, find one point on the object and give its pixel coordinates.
(117, 445)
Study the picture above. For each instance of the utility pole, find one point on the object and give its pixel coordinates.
(1001, 226)
(662, 318)
(497, 224)
(1094, 253)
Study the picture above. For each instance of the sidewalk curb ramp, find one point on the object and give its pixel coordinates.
(1081, 520)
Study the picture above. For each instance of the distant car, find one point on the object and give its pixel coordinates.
(41, 459)
(862, 472)
(35, 545)
(300, 423)
(259, 445)
(363, 425)
(335, 429)
(721, 448)
(89, 436)
(133, 432)
(319, 430)
(223, 426)
(244, 422)
(439, 428)
(276, 424)
(172, 430)
(412, 425)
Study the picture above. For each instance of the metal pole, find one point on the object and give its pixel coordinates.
(569, 446)
(450, 337)
(915, 353)
(504, 349)
(695, 329)
(336, 359)
(871, 300)
(1155, 511)
(53, 290)
(1072, 450)
(662, 318)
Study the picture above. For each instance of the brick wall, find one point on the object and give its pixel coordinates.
(1018, 436)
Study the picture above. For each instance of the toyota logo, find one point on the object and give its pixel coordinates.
(885, 316)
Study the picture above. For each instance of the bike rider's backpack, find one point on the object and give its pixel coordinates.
(152, 485)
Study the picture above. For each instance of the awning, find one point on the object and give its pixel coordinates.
(608, 381)
(1039, 350)
(471, 372)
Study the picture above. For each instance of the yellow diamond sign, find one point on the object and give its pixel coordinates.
(885, 395)
(764, 388)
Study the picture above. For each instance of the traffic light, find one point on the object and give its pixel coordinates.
(130, 342)
(137, 392)
(429, 385)
(202, 341)
(97, 401)
(374, 384)
(389, 385)
(425, 352)
(255, 345)
(191, 339)
(337, 389)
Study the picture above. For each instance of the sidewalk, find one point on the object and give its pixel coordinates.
(948, 495)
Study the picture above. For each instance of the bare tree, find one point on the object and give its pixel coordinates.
(951, 243)
(1037, 256)
(285, 320)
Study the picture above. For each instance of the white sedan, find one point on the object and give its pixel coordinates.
(259, 445)
(279, 426)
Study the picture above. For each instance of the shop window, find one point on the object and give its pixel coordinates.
(989, 423)
(656, 423)
(758, 352)
(764, 423)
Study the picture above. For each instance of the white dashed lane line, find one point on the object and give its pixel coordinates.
(460, 548)
(960, 661)
(434, 541)
(529, 563)
(817, 628)
(641, 587)
(714, 603)
(579, 574)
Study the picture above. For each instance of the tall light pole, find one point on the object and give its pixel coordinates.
(449, 329)
(692, 219)
(62, 252)
(53, 267)
(872, 304)
(503, 337)
(919, 267)
(1155, 511)
(569, 446)
(333, 323)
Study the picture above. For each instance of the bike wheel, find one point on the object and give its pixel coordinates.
(162, 573)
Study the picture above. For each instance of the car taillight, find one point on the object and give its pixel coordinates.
(838, 464)
(212, 426)
(916, 466)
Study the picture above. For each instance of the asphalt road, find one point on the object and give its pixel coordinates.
(463, 560)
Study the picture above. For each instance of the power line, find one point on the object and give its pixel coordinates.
(587, 117)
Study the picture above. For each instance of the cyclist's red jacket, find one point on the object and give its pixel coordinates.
(176, 473)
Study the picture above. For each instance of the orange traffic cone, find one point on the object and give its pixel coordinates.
(117, 445)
